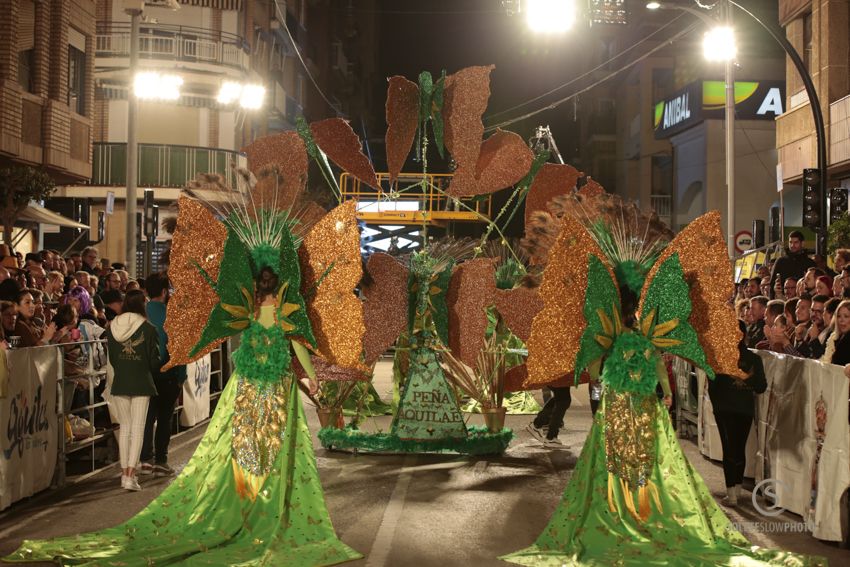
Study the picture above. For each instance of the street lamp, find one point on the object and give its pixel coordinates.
(550, 16)
(719, 45)
(811, 92)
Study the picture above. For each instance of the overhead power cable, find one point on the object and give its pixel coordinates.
(559, 102)
(582, 76)
(282, 17)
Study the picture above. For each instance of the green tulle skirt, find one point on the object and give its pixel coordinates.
(689, 529)
(200, 519)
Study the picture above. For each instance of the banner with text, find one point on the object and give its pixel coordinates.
(196, 392)
(799, 440)
(30, 435)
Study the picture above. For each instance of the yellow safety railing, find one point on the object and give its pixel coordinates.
(415, 198)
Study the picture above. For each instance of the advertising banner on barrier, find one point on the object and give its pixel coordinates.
(29, 435)
(799, 443)
(196, 393)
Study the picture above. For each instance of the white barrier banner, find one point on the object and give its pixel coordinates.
(800, 440)
(196, 392)
(29, 436)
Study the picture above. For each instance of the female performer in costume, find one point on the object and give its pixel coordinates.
(614, 296)
(251, 493)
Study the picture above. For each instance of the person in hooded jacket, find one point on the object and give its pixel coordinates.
(133, 353)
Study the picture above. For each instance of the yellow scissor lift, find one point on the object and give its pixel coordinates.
(404, 213)
(416, 199)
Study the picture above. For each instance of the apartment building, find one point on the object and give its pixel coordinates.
(47, 89)
(283, 47)
(820, 32)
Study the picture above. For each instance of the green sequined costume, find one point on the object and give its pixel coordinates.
(209, 515)
(634, 499)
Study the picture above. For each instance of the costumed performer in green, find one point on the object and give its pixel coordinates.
(250, 495)
(634, 499)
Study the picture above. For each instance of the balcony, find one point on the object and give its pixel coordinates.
(173, 43)
(839, 131)
(162, 165)
(663, 207)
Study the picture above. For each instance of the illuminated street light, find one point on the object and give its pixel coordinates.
(252, 97)
(229, 92)
(550, 16)
(718, 44)
(653, 5)
(154, 86)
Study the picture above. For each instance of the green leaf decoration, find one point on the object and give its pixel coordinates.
(437, 113)
(234, 276)
(426, 89)
(666, 308)
(290, 271)
(303, 130)
(602, 313)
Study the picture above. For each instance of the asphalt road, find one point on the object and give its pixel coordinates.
(420, 510)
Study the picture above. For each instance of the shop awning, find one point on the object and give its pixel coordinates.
(37, 213)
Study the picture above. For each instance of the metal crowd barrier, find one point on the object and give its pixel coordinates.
(104, 436)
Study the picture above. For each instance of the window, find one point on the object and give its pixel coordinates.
(807, 41)
(76, 80)
(26, 44)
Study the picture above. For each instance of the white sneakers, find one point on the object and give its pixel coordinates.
(130, 483)
(731, 498)
(540, 433)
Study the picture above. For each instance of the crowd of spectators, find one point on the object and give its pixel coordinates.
(40, 284)
(799, 306)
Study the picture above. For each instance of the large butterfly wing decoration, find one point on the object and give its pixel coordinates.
(707, 275)
(197, 250)
(331, 269)
(577, 288)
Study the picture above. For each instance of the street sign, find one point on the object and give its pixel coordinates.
(743, 241)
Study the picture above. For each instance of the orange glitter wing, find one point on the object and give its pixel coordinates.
(472, 290)
(330, 270)
(402, 119)
(335, 137)
(557, 329)
(198, 241)
(705, 263)
(385, 305)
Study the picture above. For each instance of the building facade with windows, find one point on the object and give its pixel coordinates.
(282, 46)
(47, 86)
(820, 32)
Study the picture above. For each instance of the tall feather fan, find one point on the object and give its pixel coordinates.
(257, 217)
(623, 232)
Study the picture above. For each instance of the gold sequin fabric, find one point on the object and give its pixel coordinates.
(402, 112)
(280, 164)
(259, 420)
(336, 138)
(518, 307)
(198, 241)
(465, 100)
(556, 331)
(385, 306)
(708, 271)
(630, 435)
(331, 269)
(553, 180)
(472, 290)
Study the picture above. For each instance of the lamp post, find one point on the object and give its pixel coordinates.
(135, 14)
(814, 103)
(719, 45)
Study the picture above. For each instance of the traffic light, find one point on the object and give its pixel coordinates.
(837, 203)
(812, 199)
